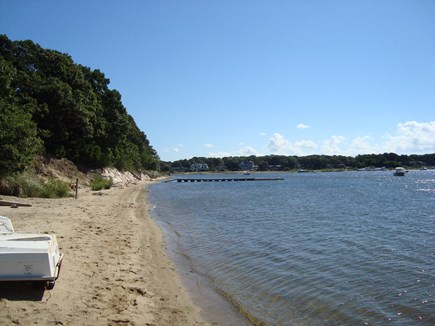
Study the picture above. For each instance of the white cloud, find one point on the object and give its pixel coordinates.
(248, 151)
(220, 154)
(331, 146)
(208, 145)
(412, 137)
(263, 134)
(363, 145)
(244, 151)
(304, 147)
(279, 145)
(177, 148)
(302, 126)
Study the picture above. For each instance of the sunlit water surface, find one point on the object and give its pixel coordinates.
(313, 249)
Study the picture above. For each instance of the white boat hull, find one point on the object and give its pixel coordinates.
(30, 257)
(400, 172)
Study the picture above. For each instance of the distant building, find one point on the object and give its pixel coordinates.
(247, 165)
(195, 167)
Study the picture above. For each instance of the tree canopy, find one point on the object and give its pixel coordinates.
(51, 105)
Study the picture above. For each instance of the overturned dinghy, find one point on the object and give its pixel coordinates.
(28, 257)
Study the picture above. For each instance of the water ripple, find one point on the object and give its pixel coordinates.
(314, 249)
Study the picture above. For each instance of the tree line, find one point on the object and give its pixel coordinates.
(310, 162)
(50, 105)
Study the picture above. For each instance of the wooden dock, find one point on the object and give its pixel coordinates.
(222, 179)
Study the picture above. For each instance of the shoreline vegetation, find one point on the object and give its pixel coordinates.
(116, 269)
(283, 163)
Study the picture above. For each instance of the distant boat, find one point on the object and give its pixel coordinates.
(372, 169)
(247, 173)
(423, 168)
(399, 172)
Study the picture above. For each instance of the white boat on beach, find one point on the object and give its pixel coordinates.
(400, 172)
(28, 257)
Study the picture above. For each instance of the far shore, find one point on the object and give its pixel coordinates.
(115, 271)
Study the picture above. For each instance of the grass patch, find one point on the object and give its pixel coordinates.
(99, 182)
(30, 185)
(56, 189)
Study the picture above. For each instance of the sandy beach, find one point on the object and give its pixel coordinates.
(115, 271)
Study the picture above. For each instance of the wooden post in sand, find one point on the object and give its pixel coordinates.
(77, 188)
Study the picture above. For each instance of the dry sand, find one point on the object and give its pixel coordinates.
(115, 271)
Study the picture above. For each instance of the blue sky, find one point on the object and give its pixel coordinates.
(229, 78)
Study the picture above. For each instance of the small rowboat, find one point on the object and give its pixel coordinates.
(28, 257)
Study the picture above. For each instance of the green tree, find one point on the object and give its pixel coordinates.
(18, 133)
(74, 112)
(18, 139)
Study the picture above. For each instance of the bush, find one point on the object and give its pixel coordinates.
(99, 182)
(30, 185)
(56, 189)
(23, 185)
(9, 186)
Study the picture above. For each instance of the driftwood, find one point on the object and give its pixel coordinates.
(10, 203)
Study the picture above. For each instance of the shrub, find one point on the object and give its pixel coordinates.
(23, 185)
(109, 183)
(9, 186)
(56, 189)
(30, 185)
(99, 182)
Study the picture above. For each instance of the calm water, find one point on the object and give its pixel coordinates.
(349, 248)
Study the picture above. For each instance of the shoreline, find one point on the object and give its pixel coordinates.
(216, 307)
(116, 269)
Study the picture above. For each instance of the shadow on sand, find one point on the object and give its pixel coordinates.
(21, 291)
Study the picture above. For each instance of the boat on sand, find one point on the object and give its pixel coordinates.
(28, 257)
